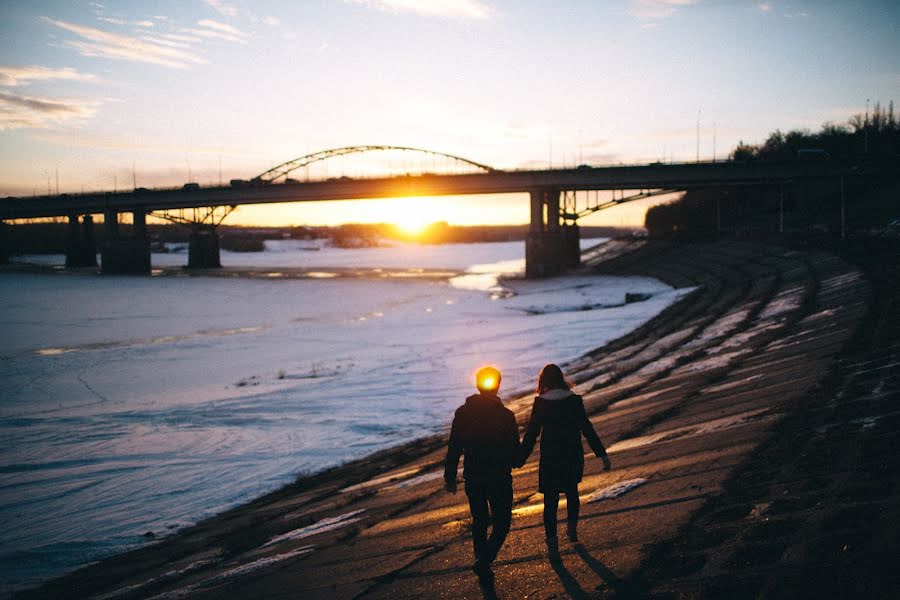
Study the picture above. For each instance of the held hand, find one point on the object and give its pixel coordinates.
(606, 464)
(450, 486)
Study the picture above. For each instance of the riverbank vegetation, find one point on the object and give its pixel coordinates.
(852, 205)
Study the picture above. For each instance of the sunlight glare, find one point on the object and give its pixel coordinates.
(412, 215)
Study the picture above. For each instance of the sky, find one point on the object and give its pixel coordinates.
(102, 95)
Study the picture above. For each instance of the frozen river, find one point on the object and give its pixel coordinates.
(134, 405)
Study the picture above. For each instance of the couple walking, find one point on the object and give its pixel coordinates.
(485, 431)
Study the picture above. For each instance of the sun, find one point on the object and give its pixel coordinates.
(412, 215)
(412, 225)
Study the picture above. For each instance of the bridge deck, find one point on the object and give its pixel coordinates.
(670, 176)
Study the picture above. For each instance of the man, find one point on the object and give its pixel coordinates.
(486, 432)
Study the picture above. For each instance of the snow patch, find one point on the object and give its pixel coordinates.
(615, 490)
(406, 483)
(327, 524)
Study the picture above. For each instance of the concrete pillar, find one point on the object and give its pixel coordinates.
(545, 253)
(552, 200)
(119, 255)
(139, 217)
(80, 249)
(111, 224)
(537, 211)
(4, 243)
(88, 246)
(203, 249)
(571, 239)
(73, 244)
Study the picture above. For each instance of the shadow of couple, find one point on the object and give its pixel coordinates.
(573, 588)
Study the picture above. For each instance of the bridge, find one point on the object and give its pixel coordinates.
(551, 246)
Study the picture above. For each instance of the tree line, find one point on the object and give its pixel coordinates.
(867, 139)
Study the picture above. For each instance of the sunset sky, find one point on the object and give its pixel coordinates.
(105, 93)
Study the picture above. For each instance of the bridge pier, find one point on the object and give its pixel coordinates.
(545, 253)
(125, 255)
(571, 240)
(203, 249)
(4, 243)
(81, 250)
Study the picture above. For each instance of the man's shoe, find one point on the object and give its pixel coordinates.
(572, 534)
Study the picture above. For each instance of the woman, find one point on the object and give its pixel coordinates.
(558, 417)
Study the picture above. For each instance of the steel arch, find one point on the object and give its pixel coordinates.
(285, 168)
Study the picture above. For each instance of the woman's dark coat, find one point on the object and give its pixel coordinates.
(558, 417)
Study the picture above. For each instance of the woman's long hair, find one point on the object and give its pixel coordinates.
(551, 378)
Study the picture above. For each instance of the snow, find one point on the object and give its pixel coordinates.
(615, 490)
(136, 404)
(321, 526)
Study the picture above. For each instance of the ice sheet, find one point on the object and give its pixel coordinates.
(135, 405)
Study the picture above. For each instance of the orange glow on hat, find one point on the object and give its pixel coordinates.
(487, 379)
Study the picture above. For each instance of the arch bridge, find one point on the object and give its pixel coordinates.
(555, 195)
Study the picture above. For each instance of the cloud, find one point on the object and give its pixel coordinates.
(18, 111)
(228, 10)
(764, 6)
(106, 44)
(270, 20)
(15, 76)
(115, 21)
(165, 42)
(221, 27)
(657, 9)
(215, 30)
(458, 9)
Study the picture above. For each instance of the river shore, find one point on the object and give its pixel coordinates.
(751, 427)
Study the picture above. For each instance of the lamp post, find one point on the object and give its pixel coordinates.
(698, 134)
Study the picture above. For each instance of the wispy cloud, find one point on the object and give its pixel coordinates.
(215, 30)
(457, 9)
(15, 76)
(19, 111)
(106, 44)
(764, 6)
(221, 27)
(228, 10)
(115, 21)
(657, 9)
(270, 20)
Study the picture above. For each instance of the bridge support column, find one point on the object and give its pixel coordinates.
(81, 250)
(571, 239)
(4, 243)
(203, 249)
(125, 255)
(544, 250)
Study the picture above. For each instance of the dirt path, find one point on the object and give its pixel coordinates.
(747, 455)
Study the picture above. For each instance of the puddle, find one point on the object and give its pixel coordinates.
(328, 524)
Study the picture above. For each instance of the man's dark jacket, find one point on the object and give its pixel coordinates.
(486, 432)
